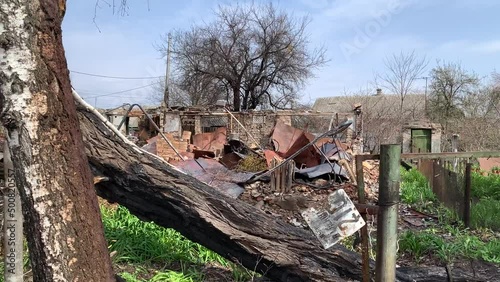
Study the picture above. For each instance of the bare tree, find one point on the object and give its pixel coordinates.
(260, 54)
(190, 91)
(478, 127)
(450, 85)
(402, 70)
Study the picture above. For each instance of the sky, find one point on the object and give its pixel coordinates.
(358, 36)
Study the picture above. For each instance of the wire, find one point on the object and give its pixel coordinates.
(114, 77)
(122, 91)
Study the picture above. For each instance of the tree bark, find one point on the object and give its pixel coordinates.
(66, 237)
(236, 97)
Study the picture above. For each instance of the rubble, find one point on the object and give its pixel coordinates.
(214, 174)
(296, 170)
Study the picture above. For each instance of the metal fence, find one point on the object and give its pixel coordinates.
(447, 179)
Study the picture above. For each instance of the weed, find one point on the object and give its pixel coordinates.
(425, 243)
(485, 186)
(458, 243)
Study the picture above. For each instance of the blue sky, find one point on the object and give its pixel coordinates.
(358, 34)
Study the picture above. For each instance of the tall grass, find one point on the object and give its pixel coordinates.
(485, 208)
(485, 186)
(415, 188)
(486, 213)
(446, 241)
(461, 244)
(148, 245)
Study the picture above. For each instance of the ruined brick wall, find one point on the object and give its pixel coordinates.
(166, 152)
(258, 124)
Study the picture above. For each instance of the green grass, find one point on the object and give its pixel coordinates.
(485, 209)
(485, 186)
(148, 252)
(448, 246)
(486, 213)
(415, 188)
(449, 240)
(147, 245)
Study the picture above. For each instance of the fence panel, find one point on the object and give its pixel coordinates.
(447, 180)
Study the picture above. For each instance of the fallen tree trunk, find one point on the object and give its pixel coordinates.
(155, 191)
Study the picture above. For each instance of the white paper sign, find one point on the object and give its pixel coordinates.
(335, 219)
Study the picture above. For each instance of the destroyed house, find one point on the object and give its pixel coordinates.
(134, 122)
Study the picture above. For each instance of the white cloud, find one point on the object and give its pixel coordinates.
(487, 46)
(481, 47)
(359, 11)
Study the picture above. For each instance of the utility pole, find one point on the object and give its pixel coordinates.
(425, 93)
(167, 78)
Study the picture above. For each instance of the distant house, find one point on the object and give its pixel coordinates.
(386, 104)
(386, 120)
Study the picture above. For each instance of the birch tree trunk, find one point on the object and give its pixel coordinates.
(66, 238)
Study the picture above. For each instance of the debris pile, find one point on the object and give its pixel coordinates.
(371, 174)
(294, 170)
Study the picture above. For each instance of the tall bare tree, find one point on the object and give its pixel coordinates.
(478, 127)
(402, 70)
(449, 87)
(66, 237)
(259, 52)
(190, 91)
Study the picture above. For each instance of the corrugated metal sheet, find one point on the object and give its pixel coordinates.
(287, 140)
(215, 175)
(211, 141)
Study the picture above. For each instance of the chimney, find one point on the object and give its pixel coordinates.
(379, 91)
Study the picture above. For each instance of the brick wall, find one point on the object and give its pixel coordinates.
(166, 152)
(258, 124)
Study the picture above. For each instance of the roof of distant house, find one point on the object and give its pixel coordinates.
(372, 103)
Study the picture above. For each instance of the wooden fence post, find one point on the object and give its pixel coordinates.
(467, 192)
(387, 220)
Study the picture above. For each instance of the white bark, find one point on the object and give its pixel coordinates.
(24, 108)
